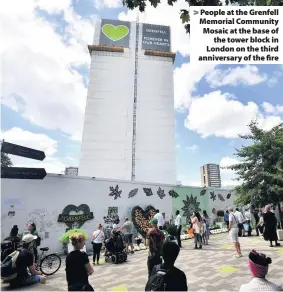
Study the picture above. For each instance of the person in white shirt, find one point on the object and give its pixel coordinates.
(160, 219)
(241, 219)
(259, 264)
(233, 232)
(98, 237)
(178, 224)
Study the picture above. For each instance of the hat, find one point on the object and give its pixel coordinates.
(29, 238)
(153, 221)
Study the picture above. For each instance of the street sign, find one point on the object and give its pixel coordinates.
(22, 151)
(23, 173)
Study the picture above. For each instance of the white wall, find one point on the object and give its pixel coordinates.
(106, 149)
(155, 147)
(44, 200)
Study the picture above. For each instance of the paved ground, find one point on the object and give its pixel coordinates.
(210, 269)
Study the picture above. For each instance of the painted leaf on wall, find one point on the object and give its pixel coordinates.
(173, 194)
(161, 193)
(202, 193)
(212, 196)
(228, 196)
(114, 192)
(221, 198)
(132, 193)
(148, 191)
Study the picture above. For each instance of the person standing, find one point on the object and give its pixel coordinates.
(241, 219)
(78, 267)
(197, 229)
(32, 230)
(260, 225)
(155, 240)
(270, 224)
(207, 222)
(226, 218)
(233, 232)
(178, 224)
(128, 228)
(160, 219)
(98, 237)
(174, 279)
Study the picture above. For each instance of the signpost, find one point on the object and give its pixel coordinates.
(23, 173)
(22, 151)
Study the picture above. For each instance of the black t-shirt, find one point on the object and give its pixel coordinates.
(75, 267)
(176, 279)
(24, 260)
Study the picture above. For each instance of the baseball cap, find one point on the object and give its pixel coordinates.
(153, 221)
(29, 238)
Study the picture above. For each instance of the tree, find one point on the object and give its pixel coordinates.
(6, 160)
(184, 13)
(260, 169)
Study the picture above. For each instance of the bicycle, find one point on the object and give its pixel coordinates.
(49, 264)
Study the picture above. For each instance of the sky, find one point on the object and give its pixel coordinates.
(44, 80)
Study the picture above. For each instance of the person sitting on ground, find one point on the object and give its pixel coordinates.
(174, 279)
(78, 267)
(155, 240)
(259, 264)
(128, 228)
(24, 263)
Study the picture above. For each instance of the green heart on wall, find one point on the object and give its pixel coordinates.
(115, 33)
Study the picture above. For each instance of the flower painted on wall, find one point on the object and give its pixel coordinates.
(190, 205)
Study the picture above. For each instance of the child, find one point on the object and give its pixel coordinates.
(204, 232)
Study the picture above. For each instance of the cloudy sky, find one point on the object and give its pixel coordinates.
(45, 74)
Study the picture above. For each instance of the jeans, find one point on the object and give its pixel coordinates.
(152, 261)
(179, 228)
(198, 239)
(30, 280)
(96, 251)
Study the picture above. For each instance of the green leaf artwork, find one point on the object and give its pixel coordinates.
(115, 33)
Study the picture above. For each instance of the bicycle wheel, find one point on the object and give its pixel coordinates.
(50, 264)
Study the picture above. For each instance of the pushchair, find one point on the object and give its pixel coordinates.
(8, 245)
(115, 249)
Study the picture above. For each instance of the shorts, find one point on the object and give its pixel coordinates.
(129, 238)
(234, 235)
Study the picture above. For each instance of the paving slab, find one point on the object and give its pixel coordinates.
(211, 269)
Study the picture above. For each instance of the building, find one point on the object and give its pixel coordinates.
(71, 170)
(129, 126)
(210, 175)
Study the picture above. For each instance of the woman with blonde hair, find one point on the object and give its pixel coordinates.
(78, 267)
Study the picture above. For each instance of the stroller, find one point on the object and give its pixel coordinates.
(115, 249)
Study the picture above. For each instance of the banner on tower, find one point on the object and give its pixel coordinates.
(156, 37)
(115, 33)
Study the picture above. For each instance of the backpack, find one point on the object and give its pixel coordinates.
(8, 267)
(157, 282)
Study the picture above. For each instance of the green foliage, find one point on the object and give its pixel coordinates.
(6, 160)
(261, 167)
(184, 13)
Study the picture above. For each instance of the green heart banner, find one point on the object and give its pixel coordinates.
(115, 33)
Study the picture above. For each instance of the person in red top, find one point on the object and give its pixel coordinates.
(155, 240)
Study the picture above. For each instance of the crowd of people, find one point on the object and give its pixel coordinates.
(162, 251)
